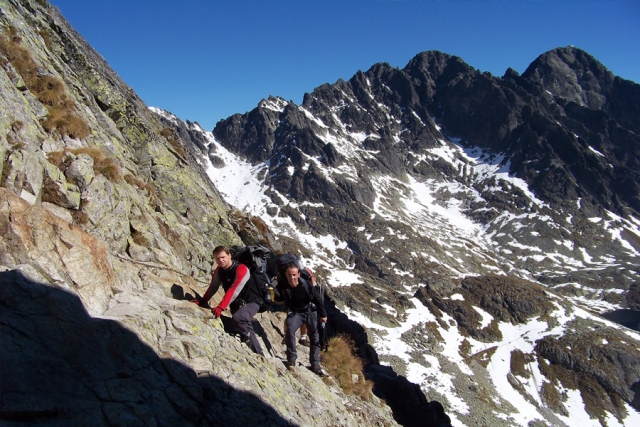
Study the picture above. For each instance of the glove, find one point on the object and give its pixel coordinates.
(217, 312)
(195, 301)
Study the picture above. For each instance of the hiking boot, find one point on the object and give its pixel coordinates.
(304, 340)
(317, 369)
(291, 363)
(246, 339)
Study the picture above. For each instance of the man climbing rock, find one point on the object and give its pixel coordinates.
(241, 295)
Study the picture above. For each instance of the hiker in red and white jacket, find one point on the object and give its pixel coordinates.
(239, 295)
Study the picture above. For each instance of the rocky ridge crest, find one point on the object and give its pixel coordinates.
(106, 231)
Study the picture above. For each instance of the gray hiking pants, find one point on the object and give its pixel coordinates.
(242, 319)
(294, 321)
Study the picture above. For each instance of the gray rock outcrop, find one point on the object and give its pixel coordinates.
(108, 222)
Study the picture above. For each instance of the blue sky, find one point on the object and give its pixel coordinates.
(205, 60)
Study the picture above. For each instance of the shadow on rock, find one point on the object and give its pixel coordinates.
(61, 367)
(177, 292)
(408, 403)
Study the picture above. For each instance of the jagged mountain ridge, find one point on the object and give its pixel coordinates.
(381, 116)
(391, 180)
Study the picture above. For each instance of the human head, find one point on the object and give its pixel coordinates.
(222, 256)
(292, 273)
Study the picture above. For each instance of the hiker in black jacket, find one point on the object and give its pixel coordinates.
(304, 304)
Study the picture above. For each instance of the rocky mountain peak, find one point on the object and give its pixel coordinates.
(434, 63)
(572, 74)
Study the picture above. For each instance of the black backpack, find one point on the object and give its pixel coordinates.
(260, 261)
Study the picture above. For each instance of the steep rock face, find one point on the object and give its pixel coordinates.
(95, 372)
(108, 220)
(565, 102)
(253, 131)
(505, 299)
(141, 173)
(152, 360)
(600, 360)
(545, 119)
(577, 77)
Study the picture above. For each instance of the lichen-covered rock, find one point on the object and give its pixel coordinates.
(108, 207)
(57, 190)
(25, 175)
(97, 232)
(80, 170)
(146, 353)
(70, 258)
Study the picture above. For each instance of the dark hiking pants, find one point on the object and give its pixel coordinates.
(242, 319)
(294, 321)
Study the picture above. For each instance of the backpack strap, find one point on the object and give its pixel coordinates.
(306, 283)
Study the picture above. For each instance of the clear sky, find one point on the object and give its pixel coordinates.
(205, 60)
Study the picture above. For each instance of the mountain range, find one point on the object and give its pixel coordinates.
(477, 238)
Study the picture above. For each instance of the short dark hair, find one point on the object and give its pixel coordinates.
(292, 265)
(221, 248)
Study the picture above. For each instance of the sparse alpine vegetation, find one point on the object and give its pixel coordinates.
(346, 368)
(61, 119)
(102, 164)
(173, 140)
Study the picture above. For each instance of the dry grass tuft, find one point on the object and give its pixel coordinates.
(6, 169)
(465, 348)
(49, 90)
(102, 165)
(482, 357)
(141, 185)
(46, 37)
(139, 239)
(346, 368)
(519, 360)
(172, 138)
(552, 398)
(79, 217)
(17, 126)
(260, 224)
(63, 122)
